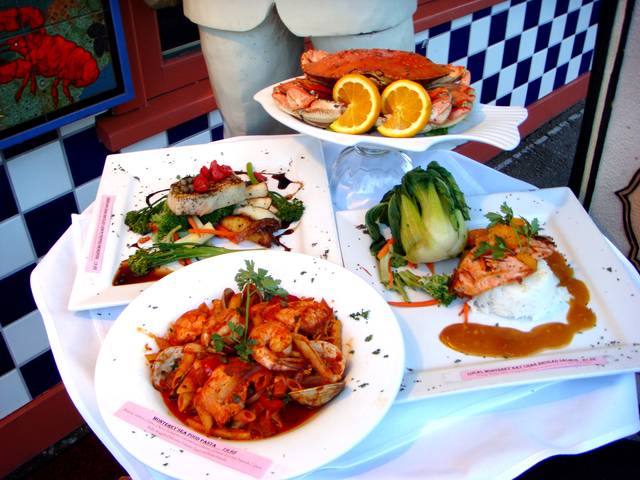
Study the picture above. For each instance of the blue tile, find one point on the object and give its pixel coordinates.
(585, 62)
(30, 144)
(572, 23)
(40, 374)
(6, 362)
(17, 288)
(498, 27)
(522, 73)
(510, 54)
(552, 58)
(47, 223)
(421, 48)
(533, 91)
(516, 2)
(86, 155)
(187, 129)
(459, 44)
(504, 101)
(562, 7)
(578, 44)
(532, 14)
(561, 76)
(489, 88)
(217, 133)
(542, 37)
(595, 13)
(475, 64)
(438, 29)
(485, 12)
(8, 206)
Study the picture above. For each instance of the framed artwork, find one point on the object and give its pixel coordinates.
(60, 61)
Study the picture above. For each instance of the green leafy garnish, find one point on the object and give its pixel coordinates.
(495, 218)
(436, 285)
(361, 314)
(217, 215)
(265, 284)
(287, 210)
(249, 280)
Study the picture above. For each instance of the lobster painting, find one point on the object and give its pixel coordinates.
(41, 54)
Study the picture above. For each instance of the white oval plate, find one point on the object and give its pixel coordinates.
(494, 125)
(374, 371)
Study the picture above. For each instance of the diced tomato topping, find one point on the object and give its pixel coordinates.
(207, 176)
(218, 172)
(260, 177)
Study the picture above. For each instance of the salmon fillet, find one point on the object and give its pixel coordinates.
(475, 275)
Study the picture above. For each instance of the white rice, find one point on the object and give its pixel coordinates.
(536, 298)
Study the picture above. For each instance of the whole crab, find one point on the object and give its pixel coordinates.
(310, 98)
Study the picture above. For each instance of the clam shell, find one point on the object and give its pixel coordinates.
(317, 396)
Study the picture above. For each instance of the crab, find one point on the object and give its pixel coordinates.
(309, 98)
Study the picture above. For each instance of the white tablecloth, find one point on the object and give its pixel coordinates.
(492, 434)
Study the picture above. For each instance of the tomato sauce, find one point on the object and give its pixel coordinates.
(495, 341)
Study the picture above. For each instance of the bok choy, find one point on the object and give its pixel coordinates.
(426, 214)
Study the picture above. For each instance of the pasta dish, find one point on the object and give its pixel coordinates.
(252, 363)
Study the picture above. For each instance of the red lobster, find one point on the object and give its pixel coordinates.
(51, 56)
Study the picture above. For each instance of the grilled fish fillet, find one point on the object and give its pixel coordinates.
(183, 200)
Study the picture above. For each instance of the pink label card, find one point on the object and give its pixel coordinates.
(532, 366)
(99, 240)
(209, 448)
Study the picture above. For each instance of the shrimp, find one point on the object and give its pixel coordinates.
(306, 316)
(224, 393)
(189, 325)
(273, 347)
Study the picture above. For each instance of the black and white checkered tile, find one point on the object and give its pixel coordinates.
(517, 51)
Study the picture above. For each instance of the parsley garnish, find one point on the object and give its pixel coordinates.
(248, 281)
(265, 284)
(361, 314)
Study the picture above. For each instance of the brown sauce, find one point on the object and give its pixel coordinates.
(496, 341)
(124, 276)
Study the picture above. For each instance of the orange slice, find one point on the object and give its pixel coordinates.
(363, 104)
(406, 107)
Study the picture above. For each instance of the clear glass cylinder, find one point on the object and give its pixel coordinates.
(361, 175)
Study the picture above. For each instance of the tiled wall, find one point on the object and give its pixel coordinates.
(518, 51)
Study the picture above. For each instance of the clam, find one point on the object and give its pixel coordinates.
(164, 365)
(317, 396)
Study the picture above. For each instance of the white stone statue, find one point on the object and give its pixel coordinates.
(250, 44)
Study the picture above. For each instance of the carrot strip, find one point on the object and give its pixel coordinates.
(431, 267)
(192, 222)
(464, 311)
(411, 265)
(385, 249)
(144, 239)
(220, 232)
(425, 303)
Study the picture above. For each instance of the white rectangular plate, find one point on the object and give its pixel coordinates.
(129, 178)
(612, 346)
(491, 124)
